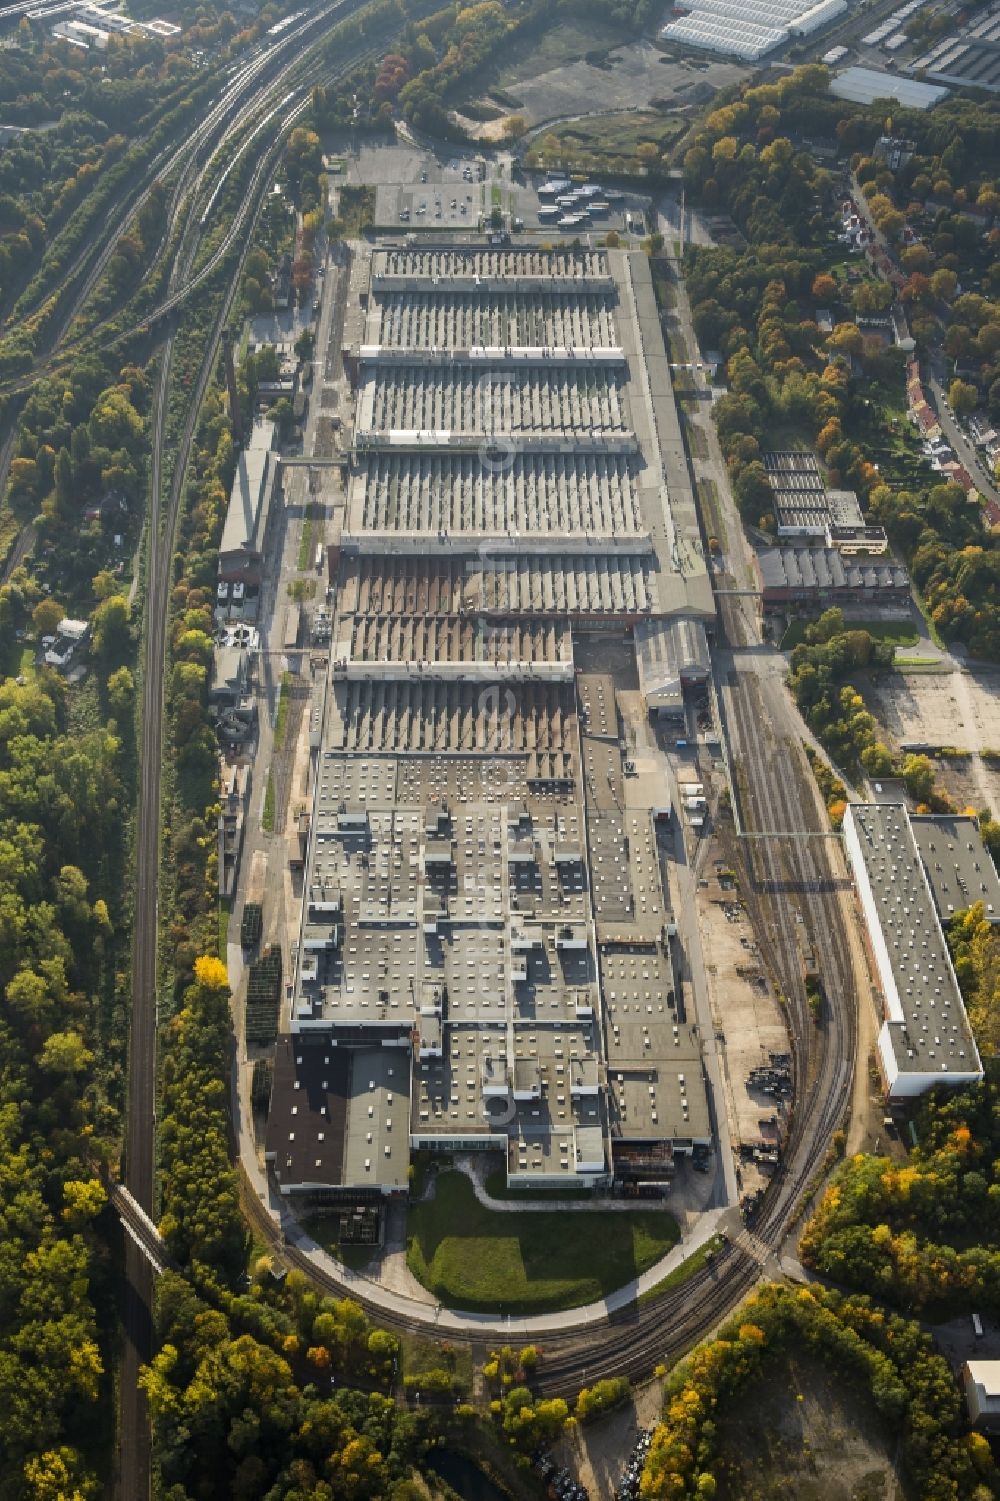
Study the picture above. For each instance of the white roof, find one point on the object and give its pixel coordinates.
(865, 85)
(986, 1374)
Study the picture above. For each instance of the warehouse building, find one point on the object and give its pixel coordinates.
(241, 550)
(969, 60)
(981, 1383)
(925, 1037)
(482, 902)
(813, 578)
(865, 85)
(803, 506)
(747, 31)
(671, 655)
(959, 867)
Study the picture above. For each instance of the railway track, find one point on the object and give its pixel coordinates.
(139, 1163)
(189, 191)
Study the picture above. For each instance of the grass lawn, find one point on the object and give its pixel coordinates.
(306, 541)
(422, 1352)
(687, 1268)
(225, 908)
(281, 721)
(267, 817)
(477, 1258)
(900, 632)
(597, 142)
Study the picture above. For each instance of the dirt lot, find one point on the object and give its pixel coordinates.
(596, 1454)
(804, 1434)
(746, 1011)
(960, 709)
(631, 77)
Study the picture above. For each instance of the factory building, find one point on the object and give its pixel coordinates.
(813, 578)
(483, 909)
(671, 655)
(981, 1384)
(241, 550)
(925, 1037)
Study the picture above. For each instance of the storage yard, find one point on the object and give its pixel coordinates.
(486, 947)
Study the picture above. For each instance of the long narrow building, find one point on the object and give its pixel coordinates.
(925, 1037)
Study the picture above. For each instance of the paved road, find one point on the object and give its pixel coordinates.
(965, 450)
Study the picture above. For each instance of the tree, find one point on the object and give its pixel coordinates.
(46, 615)
(824, 288)
(121, 690)
(944, 284)
(963, 398)
(918, 776)
(84, 1200)
(916, 258)
(846, 338)
(65, 1053)
(514, 127)
(753, 489)
(111, 629)
(105, 584)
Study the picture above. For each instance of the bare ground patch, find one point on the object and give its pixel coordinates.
(801, 1433)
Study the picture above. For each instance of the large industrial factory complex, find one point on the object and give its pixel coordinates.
(485, 959)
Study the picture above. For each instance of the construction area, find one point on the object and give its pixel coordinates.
(487, 956)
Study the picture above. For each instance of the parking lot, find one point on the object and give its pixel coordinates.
(934, 709)
(417, 190)
(450, 194)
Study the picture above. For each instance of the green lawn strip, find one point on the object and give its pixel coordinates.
(899, 631)
(422, 1352)
(687, 1268)
(306, 541)
(490, 1260)
(932, 629)
(708, 499)
(281, 721)
(225, 908)
(267, 817)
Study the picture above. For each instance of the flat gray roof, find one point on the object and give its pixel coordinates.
(959, 867)
(249, 499)
(932, 1034)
